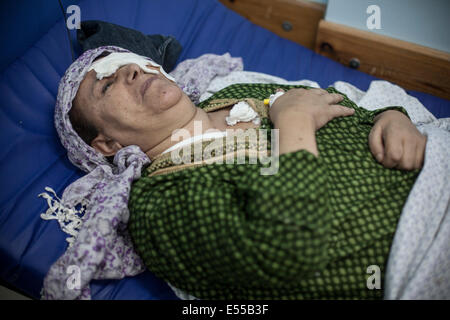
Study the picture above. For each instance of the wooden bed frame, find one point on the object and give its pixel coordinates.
(409, 65)
(290, 19)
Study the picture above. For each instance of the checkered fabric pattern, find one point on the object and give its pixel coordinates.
(224, 231)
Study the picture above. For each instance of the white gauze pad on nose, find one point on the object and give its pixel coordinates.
(108, 65)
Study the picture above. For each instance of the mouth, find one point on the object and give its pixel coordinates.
(147, 83)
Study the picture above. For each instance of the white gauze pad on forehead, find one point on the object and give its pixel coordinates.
(108, 65)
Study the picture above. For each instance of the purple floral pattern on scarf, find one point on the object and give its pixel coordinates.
(194, 75)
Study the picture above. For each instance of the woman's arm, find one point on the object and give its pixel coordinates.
(296, 134)
(299, 113)
(394, 141)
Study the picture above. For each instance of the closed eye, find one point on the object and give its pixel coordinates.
(106, 86)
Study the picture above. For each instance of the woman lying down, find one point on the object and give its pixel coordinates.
(308, 222)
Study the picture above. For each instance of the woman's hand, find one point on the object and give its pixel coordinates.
(317, 105)
(395, 142)
(299, 113)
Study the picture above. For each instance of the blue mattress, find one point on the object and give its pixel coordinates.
(32, 158)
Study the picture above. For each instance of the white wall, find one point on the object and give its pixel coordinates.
(420, 21)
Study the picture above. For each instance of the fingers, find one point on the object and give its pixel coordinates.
(407, 162)
(401, 155)
(341, 111)
(420, 154)
(319, 91)
(329, 98)
(411, 158)
(393, 151)
(401, 150)
(376, 144)
(413, 155)
(333, 98)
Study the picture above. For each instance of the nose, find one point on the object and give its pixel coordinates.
(131, 72)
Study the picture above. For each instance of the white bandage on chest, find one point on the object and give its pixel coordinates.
(242, 112)
(108, 65)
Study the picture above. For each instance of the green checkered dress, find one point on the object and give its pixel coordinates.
(224, 231)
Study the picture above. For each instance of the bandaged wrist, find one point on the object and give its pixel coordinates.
(273, 97)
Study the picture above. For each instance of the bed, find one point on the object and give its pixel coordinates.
(32, 158)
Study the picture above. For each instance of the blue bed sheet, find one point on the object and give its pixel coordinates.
(32, 158)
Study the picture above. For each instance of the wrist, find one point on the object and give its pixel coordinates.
(296, 134)
(388, 114)
(295, 120)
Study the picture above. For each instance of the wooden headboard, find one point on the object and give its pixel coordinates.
(296, 20)
(407, 64)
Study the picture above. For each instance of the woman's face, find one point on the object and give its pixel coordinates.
(132, 107)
